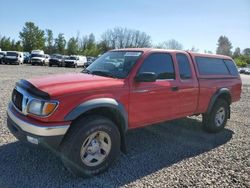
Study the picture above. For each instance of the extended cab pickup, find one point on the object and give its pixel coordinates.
(85, 116)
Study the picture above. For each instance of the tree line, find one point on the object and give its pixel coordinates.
(224, 47)
(32, 37)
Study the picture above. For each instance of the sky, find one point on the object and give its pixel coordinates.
(191, 22)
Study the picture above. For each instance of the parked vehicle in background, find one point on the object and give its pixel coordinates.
(14, 57)
(37, 52)
(241, 70)
(247, 71)
(39, 59)
(63, 59)
(2, 56)
(56, 59)
(86, 115)
(75, 61)
(26, 57)
(90, 60)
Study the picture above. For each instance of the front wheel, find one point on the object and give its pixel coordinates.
(91, 146)
(216, 120)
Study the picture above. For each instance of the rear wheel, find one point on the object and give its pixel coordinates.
(91, 146)
(216, 120)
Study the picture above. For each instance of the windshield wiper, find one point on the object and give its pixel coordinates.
(103, 73)
(86, 71)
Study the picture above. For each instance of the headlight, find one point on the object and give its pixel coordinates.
(41, 108)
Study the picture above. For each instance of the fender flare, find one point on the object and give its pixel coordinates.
(97, 103)
(216, 95)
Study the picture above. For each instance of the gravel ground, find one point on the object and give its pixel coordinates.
(173, 154)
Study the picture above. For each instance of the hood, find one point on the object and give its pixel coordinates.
(61, 84)
(69, 60)
(37, 58)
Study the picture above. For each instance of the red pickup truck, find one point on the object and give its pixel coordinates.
(85, 116)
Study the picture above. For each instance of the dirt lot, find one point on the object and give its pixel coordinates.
(173, 154)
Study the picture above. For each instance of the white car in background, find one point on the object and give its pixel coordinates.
(75, 61)
(39, 59)
(37, 52)
(247, 71)
(2, 56)
(14, 57)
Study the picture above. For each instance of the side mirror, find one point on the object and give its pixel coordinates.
(146, 77)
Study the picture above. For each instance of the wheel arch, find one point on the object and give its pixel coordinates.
(222, 93)
(106, 107)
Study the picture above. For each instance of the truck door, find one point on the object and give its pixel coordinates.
(152, 102)
(188, 88)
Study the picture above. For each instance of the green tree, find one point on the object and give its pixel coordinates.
(88, 46)
(12, 45)
(32, 37)
(91, 41)
(236, 52)
(240, 62)
(60, 43)
(224, 46)
(18, 46)
(49, 41)
(102, 47)
(72, 47)
(5, 43)
(246, 52)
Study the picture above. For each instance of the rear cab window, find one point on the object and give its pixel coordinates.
(216, 66)
(211, 66)
(231, 67)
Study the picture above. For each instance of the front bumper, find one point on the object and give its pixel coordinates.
(12, 61)
(53, 62)
(36, 62)
(48, 136)
(69, 64)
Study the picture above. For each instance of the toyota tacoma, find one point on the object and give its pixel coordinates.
(85, 116)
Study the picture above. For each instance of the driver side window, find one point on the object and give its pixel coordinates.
(159, 63)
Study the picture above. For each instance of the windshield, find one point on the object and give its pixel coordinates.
(55, 56)
(115, 64)
(12, 54)
(71, 58)
(37, 55)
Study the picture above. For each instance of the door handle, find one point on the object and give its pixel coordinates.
(175, 88)
(141, 91)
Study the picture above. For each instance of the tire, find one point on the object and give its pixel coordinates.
(216, 120)
(75, 65)
(80, 151)
(50, 65)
